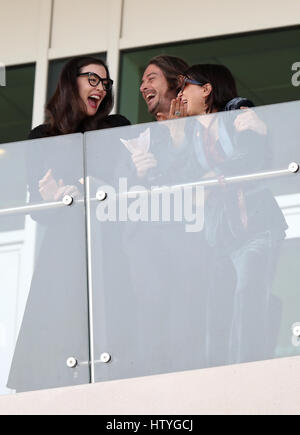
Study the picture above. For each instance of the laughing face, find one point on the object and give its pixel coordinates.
(194, 96)
(155, 90)
(91, 96)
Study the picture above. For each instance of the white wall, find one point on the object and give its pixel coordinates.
(18, 31)
(266, 387)
(79, 27)
(10, 259)
(162, 21)
(17, 250)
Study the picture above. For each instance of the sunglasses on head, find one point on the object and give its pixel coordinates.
(94, 80)
(192, 82)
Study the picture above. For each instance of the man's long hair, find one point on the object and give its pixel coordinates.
(65, 112)
(172, 67)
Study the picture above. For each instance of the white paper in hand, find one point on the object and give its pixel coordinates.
(141, 143)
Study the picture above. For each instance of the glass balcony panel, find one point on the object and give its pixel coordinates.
(194, 236)
(43, 288)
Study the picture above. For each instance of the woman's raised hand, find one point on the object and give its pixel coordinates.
(51, 190)
(178, 109)
(48, 186)
(65, 190)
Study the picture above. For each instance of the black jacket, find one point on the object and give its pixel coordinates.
(110, 121)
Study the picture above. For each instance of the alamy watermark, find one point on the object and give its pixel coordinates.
(296, 76)
(184, 203)
(2, 74)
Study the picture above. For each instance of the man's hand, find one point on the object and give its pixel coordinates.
(143, 162)
(250, 121)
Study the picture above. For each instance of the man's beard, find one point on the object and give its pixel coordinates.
(155, 108)
(162, 105)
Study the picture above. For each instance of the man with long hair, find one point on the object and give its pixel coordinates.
(161, 83)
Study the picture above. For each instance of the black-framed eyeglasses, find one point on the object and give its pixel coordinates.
(192, 82)
(94, 80)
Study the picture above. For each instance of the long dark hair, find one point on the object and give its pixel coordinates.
(173, 67)
(65, 112)
(222, 82)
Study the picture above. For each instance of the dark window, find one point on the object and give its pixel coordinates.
(16, 101)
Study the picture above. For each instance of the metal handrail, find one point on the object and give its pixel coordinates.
(31, 208)
(292, 169)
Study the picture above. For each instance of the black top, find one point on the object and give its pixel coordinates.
(110, 121)
(39, 159)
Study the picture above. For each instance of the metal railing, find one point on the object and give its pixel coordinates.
(67, 200)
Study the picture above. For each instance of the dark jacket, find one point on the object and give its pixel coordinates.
(55, 322)
(110, 121)
(236, 153)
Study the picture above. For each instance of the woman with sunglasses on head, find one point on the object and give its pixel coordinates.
(53, 324)
(243, 225)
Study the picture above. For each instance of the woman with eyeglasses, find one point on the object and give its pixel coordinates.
(82, 101)
(54, 323)
(243, 225)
